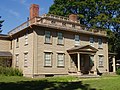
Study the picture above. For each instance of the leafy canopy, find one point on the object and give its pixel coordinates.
(1, 21)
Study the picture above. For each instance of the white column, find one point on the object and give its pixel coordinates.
(114, 66)
(95, 64)
(78, 58)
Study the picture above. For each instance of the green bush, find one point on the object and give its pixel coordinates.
(9, 71)
(118, 71)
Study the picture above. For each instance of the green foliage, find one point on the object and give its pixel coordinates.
(1, 21)
(118, 71)
(9, 71)
(104, 14)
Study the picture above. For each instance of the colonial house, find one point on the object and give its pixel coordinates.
(51, 45)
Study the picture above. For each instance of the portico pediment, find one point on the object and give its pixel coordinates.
(86, 48)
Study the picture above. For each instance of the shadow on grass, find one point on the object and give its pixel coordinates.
(44, 85)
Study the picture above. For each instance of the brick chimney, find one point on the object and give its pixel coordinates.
(73, 17)
(34, 11)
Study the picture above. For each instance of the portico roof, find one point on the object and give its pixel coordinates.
(82, 49)
(5, 54)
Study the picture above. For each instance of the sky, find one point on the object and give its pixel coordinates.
(15, 12)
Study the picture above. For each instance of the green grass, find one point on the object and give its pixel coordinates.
(59, 83)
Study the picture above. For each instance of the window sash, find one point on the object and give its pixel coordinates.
(99, 43)
(47, 36)
(100, 60)
(25, 59)
(60, 60)
(17, 60)
(48, 58)
(60, 38)
(77, 40)
(91, 41)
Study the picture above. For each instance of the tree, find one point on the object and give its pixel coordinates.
(1, 21)
(104, 14)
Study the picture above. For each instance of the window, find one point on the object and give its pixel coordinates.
(60, 38)
(77, 40)
(17, 60)
(60, 61)
(48, 57)
(47, 37)
(100, 60)
(92, 41)
(26, 39)
(17, 42)
(99, 43)
(25, 59)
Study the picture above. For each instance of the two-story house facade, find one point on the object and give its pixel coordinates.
(52, 45)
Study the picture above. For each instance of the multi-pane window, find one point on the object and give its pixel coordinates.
(17, 42)
(60, 61)
(99, 43)
(26, 38)
(92, 41)
(47, 37)
(17, 60)
(100, 60)
(77, 40)
(48, 58)
(25, 59)
(60, 38)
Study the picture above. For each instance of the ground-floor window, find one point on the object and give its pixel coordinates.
(47, 59)
(60, 60)
(17, 60)
(101, 60)
(25, 59)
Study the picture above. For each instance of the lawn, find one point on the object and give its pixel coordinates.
(59, 83)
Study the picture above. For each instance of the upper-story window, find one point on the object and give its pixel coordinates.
(47, 37)
(17, 42)
(60, 38)
(77, 40)
(92, 41)
(100, 43)
(26, 39)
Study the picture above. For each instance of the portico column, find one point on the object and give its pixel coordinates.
(78, 58)
(95, 66)
(114, 66)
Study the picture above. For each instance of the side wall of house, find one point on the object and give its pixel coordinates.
(21, 50)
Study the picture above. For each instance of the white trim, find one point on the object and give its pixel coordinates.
(48, 51)
(60, 51)
(100, 55)
(25, 52)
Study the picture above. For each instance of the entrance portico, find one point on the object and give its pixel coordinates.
(85, 59)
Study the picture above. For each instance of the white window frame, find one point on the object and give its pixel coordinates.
(26, 59)
(60, 38)
(60, 61)
(77, 40)
(17, 60)
(100, 43)
(92, 41)
(101, 60)
(48, 59)
(91, 60)
(47, 37)
(26, 39)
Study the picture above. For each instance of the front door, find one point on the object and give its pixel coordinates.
(85, 63)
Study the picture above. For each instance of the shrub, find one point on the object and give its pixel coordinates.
(118, 71)
(9, 71)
